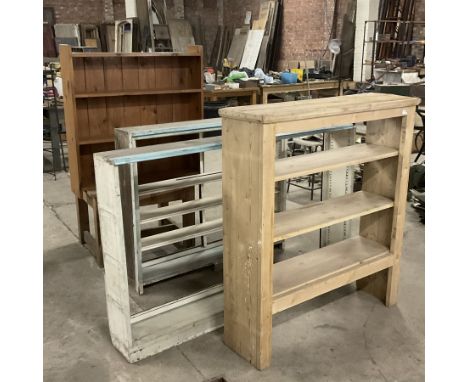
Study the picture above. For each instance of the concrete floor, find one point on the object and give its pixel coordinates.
(342, 336)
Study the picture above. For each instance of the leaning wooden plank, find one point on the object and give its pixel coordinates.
(165, 150)
(252, 48)
(181, 34)
(149, 189)
(113, 244)
(312, 217)
(153, 213)
(237, 45)
(311, 274)
(330, 159)
(174, 236)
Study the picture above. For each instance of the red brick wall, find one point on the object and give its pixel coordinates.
(419, 30)
(84, 11)
(306, 29)
(77, 11)
(234, 11)
(306, 25)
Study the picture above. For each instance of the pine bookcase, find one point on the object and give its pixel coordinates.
(105, 91)
(254, 287)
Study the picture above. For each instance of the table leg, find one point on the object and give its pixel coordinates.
(253, 98)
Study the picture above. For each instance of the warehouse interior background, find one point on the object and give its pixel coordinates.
(69, 330)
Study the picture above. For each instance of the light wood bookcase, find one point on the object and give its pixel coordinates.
(254, 287)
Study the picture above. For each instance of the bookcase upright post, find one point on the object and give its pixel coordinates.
(248, 184)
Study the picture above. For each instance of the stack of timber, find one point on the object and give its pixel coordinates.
(220, 47)
(255, 47)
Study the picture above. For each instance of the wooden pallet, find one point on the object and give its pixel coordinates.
(254, 288)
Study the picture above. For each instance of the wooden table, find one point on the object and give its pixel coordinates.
(266, 90)
(213, 95)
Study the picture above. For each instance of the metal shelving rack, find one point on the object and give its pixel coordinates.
(374, 41)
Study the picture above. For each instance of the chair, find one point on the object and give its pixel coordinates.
(309, 145)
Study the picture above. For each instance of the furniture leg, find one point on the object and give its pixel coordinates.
(383, 284)
(97, 235)
(83, 218)
(253, 98)
(248, 239)
(379, 177)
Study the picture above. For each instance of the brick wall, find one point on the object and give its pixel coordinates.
(119, 9)
(234, 11)
(204, 18)
(419, 30)
(306, 25)
(86, 11)
(77, 11)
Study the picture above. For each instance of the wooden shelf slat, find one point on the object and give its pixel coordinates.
(149, 189)
(330, 159)
(135, 92)
(151, 215)
(95, 141)
(162, 150)
(144, 55)
(314, 216)
(160, 240)
(311, 274)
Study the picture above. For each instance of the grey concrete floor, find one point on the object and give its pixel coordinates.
(341, 336)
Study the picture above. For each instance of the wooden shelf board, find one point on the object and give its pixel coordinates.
(150, 189)
(135, 92)
(177, 235)
(314, 216)
(311, 274)
(133, 54)
(152, 214)
(331, 159)
(95, 141)
(161, 151)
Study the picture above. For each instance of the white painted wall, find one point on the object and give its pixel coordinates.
(366, 10)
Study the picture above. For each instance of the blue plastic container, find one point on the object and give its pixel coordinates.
(288, 78)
